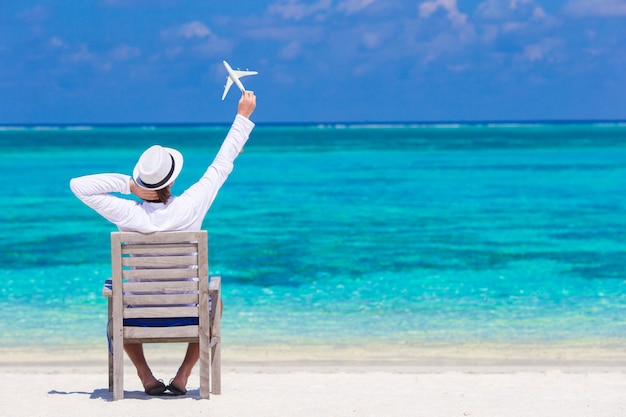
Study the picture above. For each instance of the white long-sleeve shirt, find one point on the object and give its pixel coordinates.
(184, 212)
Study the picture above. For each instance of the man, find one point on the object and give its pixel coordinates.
(153, 176)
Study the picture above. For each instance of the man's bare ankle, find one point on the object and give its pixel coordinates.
(146, 378)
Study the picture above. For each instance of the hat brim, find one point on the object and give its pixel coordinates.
(178, 166)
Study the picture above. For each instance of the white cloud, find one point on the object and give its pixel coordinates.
(442, 46)
(458, 19)
(34, 15)
(291, 50)
(125, 52)
(57, 42)
(189, 30)
(458, 68)
(601, 8)
(293, 9)
(83, 54)
(511, 9)
(194, 29)
(371, 40)
(427, 8)
(541, 50)
(494, 17)
(539, 13)
(513, 3)
(194, 38)
(493, 9)
(353, 6)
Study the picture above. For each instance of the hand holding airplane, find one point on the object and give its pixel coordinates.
(233, 77)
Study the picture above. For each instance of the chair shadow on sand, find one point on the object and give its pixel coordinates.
(105, 394)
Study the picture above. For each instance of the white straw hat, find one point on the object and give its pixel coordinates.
(157, 167)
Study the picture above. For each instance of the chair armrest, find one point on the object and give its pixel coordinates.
(215, 289)
(107, 288)
(215, 283)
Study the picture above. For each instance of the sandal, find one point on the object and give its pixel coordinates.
(175, 390)
(158, 389)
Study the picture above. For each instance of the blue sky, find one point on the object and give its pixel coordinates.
(159, 61)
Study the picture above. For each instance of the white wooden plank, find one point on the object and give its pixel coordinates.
(161, 299)
(160, 286)
(160, 261)
(160, 312)
(160, 248)
(160, 273)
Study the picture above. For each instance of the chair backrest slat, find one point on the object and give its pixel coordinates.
(163, 274)
(164, 300)
(160, 286)
(160, 312)
(160, 261)
(159, 248)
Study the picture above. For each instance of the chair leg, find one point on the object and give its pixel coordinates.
(117, 358)
(216, 350)
(204, 340)
(205, 366)
(118, 369)
(110, 344)
(216, 369)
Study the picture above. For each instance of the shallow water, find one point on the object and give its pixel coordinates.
(341, 234)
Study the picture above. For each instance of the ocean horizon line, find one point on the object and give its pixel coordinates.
(320, 124)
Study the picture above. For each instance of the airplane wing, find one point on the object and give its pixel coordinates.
(229, 82)
(240, 74)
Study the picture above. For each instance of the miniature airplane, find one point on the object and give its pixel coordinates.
(233, 77)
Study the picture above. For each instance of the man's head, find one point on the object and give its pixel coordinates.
(157, 169)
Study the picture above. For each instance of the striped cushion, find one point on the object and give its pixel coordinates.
(162, 322)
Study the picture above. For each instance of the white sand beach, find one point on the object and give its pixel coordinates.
(505, 383)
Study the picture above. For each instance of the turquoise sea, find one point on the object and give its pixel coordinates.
(343, 234)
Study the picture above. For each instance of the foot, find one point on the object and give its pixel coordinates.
(175, 390)
(156, 388)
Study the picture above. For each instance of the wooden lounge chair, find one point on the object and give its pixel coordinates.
(159, 292)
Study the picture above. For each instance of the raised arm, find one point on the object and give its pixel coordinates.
(205, 190)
